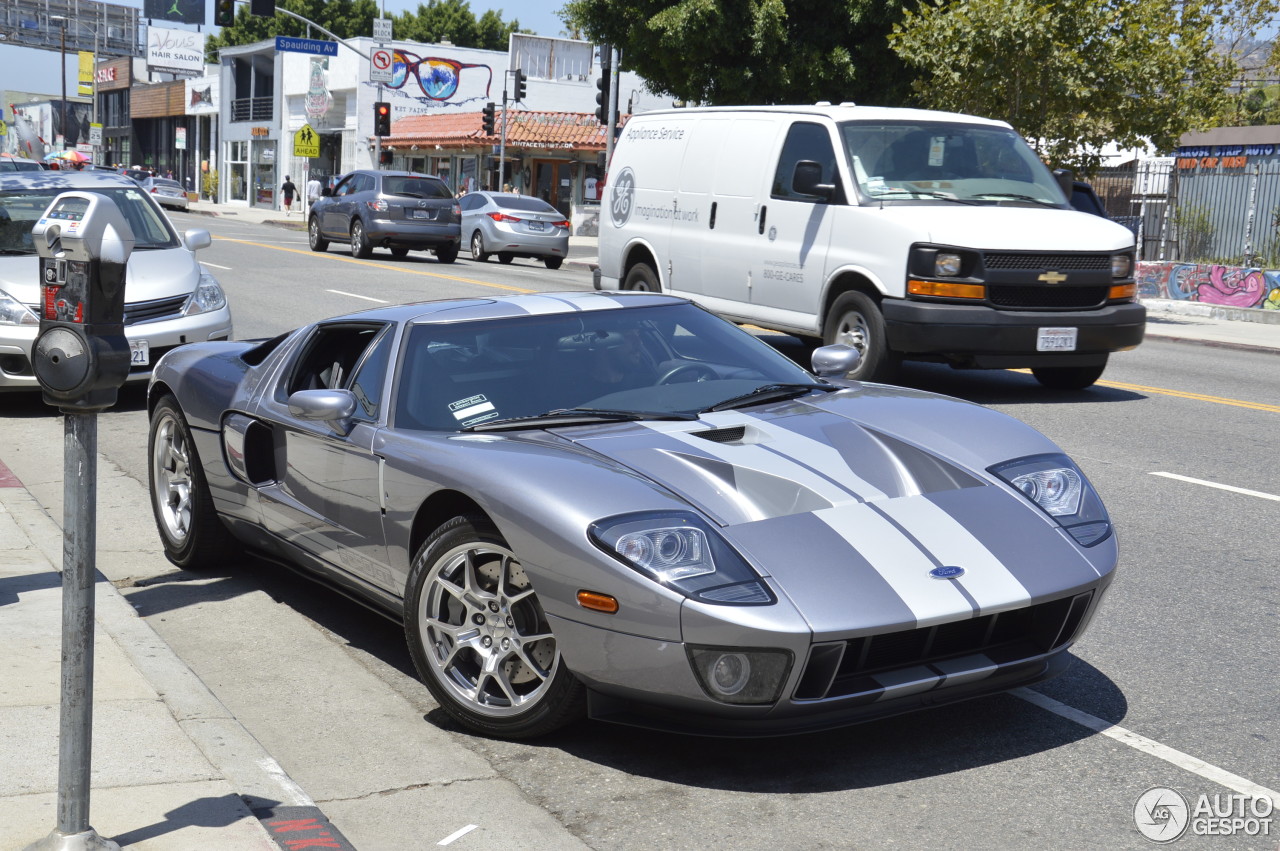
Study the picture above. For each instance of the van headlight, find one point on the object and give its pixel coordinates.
(14, 312)
(1121, 265)
(946, 265)
(681, 551)
(207, 297)
(1059, 489)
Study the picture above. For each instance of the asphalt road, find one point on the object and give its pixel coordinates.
(1182, 656)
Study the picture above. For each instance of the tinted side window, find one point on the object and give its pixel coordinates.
(805, 141)
(371, 378)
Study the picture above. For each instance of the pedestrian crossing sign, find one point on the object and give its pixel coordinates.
(306, 142)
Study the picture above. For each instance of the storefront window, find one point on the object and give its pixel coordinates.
(237, 171)
(440, 168)
(467, 170)
(264, 173)
(592, 183)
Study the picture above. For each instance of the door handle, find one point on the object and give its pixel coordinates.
(711, 224)
(763, 210)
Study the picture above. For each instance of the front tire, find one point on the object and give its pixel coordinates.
(193, 535)
(1068, 377)
(360, 246)
(478, 253)
(314, 237)
(855, 320)
(642, 278)
(479, 638)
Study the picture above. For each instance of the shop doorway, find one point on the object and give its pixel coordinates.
(553, 183)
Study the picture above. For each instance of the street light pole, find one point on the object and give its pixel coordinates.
(62, 52)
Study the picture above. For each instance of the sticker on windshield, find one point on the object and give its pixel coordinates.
(937, 146)
(472, 410)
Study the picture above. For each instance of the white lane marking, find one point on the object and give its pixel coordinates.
(457, 834)
(214, 265)
(1245, 491)
(292, 790)
(1234, 782)
(354, 295)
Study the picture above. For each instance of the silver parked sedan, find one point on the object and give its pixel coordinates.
(619, 504)
(169, 298)
(167, 193)
(511, 226)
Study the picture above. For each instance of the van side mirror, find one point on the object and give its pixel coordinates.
(1066, 181)
(807, 180)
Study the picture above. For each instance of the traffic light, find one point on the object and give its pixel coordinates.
(602, 96)
(488, 120)
(385, 156)
(382, 118)
(519, 85)
(224, 12)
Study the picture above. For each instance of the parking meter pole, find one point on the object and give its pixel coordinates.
(79, 567)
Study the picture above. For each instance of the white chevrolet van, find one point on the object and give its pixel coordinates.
(904, 233)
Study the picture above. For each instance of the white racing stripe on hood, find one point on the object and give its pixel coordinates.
(756, 457)
(814, 453)
(985, 577)
(899, 562)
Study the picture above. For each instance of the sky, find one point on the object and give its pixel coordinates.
(27, 69)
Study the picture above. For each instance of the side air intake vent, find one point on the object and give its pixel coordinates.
(733, 434)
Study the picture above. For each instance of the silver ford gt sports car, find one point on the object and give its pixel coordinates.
(618, 504)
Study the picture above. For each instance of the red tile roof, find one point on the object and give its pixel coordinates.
(569, 130)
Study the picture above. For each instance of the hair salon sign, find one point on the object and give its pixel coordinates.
(175, 51)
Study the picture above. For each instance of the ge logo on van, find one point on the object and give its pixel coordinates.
(622, 198)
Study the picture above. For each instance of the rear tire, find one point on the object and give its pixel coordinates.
(855, 320)
(504, 257)
(399, 253)
(478, 253)
(193, 536)
(1068, 377)
(447, 253)
(314, 238)
(360, 246)
(642, 279)
(554, 262)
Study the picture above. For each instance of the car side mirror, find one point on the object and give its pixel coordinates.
(1066, 180)
(834, 361)
(335, 407)
(326, 192)
(197, 238)
(807, 180)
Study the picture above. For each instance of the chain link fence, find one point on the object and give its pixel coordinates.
(1223, 210)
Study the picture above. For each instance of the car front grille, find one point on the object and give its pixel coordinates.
(1059, 262)
(150, 311)
(1046, 298)
(863, 666)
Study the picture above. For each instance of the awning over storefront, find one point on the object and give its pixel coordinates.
(570, 131)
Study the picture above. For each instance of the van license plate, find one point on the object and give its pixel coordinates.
(1056, 340)
(139, 353)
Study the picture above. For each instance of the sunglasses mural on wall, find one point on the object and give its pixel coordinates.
(437, 78)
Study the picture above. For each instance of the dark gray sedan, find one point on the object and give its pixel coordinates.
(399, 210)
(512, 226)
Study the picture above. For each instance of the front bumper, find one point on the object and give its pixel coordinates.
(985, 336)
(161, 336)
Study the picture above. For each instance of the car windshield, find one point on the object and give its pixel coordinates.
(14, 164)
(941, 162)
(20, 209)
(631, 363)
(417, 187)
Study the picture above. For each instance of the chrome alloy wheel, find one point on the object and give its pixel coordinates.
(852, 331)
(484, 632)
(171, 479)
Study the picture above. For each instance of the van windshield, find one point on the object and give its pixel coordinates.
(940, 162)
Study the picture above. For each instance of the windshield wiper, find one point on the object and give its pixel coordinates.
(1014, 196)
(766, 393)
(941, 196)
(577, 416)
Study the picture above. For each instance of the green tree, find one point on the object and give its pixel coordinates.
(1072, 75)
(452, 20)
(752, 51)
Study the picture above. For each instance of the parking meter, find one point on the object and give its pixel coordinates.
(81, 356)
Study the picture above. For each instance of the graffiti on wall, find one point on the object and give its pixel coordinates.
(1225, 286)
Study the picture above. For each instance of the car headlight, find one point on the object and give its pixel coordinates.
(14, 312)
(946, 265)
(1121, 265)
(683, 552)
(207, 297)
(1059, 489)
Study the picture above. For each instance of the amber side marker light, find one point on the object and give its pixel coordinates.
(1127, 292)
(946, 290)
(598, 602)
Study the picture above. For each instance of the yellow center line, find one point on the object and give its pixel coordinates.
(391, 267)
(1199, 397)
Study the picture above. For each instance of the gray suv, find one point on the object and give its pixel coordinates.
(398, 210)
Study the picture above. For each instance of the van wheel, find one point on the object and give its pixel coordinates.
(643, 279)
(1068, 377)
(856, 321)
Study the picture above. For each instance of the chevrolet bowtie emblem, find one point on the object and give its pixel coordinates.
(1052, 277)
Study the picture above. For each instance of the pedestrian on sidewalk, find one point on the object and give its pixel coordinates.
(288, 190)
(313, 191)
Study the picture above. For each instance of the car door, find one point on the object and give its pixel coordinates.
(338, 213)
(792, 245)
(327, 500)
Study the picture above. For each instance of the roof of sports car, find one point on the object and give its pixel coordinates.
(506, 307)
